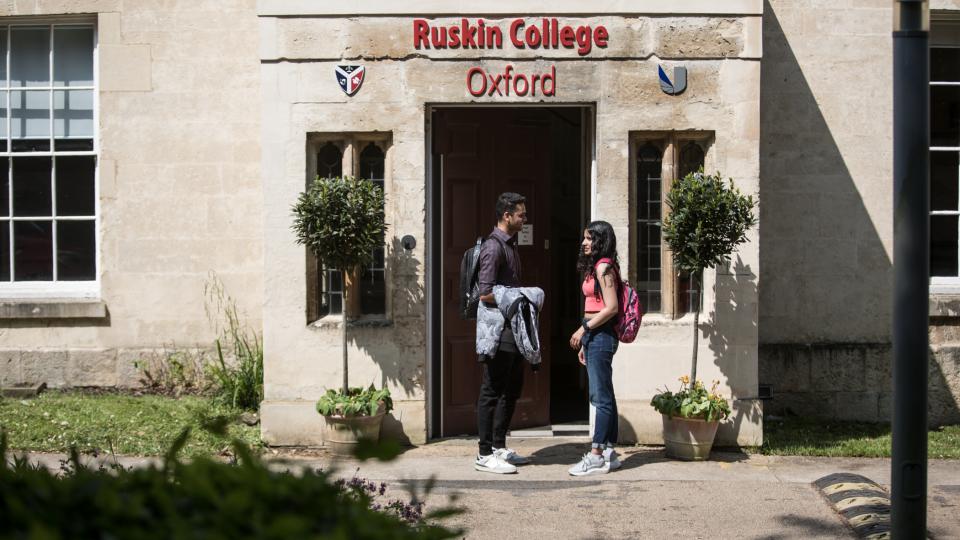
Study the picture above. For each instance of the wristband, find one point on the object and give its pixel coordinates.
(586, 327)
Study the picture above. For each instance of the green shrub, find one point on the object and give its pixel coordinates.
(202, 499)
(357, 401)
(238, 368)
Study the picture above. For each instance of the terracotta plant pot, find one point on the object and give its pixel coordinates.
(688, 439)
(344, 432)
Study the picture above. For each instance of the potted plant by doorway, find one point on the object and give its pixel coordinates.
(708, 219)
(341, 221)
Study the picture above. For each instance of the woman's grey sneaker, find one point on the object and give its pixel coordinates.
(493, 463)
(511, 456)
(613, 461)
(590, 464)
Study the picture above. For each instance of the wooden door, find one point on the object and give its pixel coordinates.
(485, 152)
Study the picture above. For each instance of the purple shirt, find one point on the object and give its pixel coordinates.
(493, 270)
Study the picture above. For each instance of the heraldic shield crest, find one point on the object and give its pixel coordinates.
(350, 78)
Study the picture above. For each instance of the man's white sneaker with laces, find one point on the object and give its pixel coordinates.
(590, 464)
(511, 456)
(493, 464)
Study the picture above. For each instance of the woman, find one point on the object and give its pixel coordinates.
(597, 342)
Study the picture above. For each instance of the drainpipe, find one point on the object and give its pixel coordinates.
(911, 266)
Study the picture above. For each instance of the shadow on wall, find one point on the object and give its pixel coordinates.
(824, 272)
(736, 296)
(943, 384)
(854, 381)
(400, 353)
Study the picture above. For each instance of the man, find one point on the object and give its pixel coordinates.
(499, 264)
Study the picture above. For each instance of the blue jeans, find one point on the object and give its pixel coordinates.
(599, 346)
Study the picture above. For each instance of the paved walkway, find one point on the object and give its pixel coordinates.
(733, 496)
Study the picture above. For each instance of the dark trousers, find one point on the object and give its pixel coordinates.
(499, 390)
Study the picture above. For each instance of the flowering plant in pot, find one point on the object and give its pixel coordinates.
(692, 401)
(708, 219)
(690, 418)
(341, 221)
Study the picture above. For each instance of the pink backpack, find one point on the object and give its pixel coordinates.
(629, 310)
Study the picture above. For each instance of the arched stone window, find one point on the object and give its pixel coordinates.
(658, 159)
(364, 156)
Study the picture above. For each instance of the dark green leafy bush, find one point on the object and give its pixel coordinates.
(202, 499)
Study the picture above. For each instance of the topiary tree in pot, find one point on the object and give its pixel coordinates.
(708, 219)
(341, 221)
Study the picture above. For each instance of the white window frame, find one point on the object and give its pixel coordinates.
(13, 290)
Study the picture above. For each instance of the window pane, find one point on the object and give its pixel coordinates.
(945, 116)
(4, 187)
(31, 186)
(3, 56)
(945, 65)
(72, 56)
(329, 161)
(4, 251)
(648, 188)
(32, 251)
(330, 291)
(30, 56)
(691, 159)
(373, 293)
(73, 113)
(4, 95)
(75, 185)
(943, 245)
(371, 163)
(944, 180)
(73, 145)
(30, 112)
(76, 251)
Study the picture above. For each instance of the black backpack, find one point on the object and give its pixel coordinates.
(470, 279)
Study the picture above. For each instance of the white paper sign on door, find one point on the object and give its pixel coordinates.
(525, 238)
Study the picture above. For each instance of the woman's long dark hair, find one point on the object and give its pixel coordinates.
(603, 244)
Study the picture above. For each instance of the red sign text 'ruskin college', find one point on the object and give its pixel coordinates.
(549, 34)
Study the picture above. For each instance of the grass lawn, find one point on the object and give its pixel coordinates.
(808, 437)
(133, 425)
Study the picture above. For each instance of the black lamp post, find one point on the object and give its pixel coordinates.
(911, 266)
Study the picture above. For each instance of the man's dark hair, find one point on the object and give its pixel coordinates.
(507, 202)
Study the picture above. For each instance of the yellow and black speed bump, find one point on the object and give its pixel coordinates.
(861, 502)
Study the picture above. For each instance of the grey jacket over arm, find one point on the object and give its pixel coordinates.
(518, 307)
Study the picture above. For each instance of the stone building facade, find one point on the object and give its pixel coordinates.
(208, 121)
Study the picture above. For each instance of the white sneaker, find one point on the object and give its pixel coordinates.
(590, 464)
(511, 456)
(494, 464)
(610, 456)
